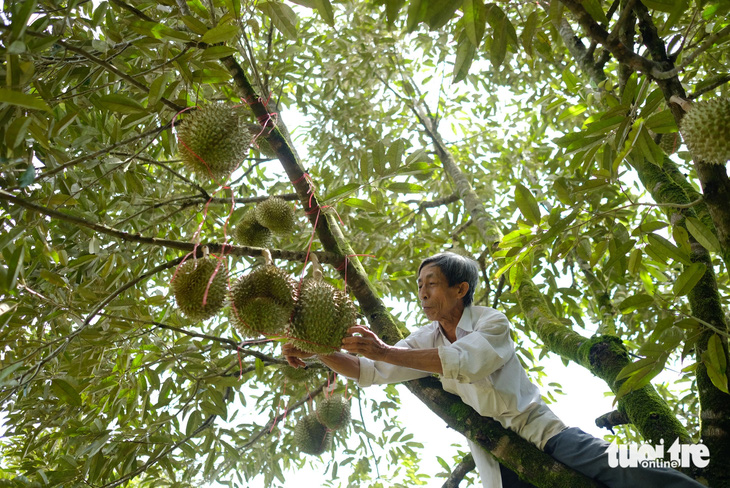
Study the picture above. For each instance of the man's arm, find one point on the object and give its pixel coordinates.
(369, 345)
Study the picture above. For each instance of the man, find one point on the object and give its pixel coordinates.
(471, 350)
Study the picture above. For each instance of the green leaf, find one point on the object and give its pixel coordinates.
(121, 103)
(527, 204)
(475, 20)
(439, 12)
(283, 17)
(666, 249)
(343, 190)
(635, 302)
(15, 265)
(528, 33)
(195, 25)
(661, 5)
(715, 362)
(64, 391)
(639, 374)
(220, 33)
(15, 133)
(399, 187)
(635, 261)
(21, 16)
(716, 354)
(27, 178)
(661, 122)
(20, 99)
(465, 52)
(594, 8)
(157, 88)
(361, 204)
(703, 234)
(689, 278)
(324, 7)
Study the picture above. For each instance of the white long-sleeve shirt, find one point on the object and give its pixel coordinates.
(482, 368)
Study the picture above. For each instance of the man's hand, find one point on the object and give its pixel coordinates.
(294, 356)
(366, 343)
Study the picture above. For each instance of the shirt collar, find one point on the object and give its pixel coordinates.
(465, 323)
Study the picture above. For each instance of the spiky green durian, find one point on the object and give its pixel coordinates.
(299, 375)
(213, 140)
(706, 130)
(262, 301)
(249, 232)
(310, 436)
(670, 142)
(333, 412)
(260, 140)
(275, 214)
(321, 318)
(194, 297)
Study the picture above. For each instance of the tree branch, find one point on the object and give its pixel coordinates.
(105, 150)
(612, 419)
(268, 428)
(596, 32)
(462, 469)
(689, 58)
(138, 13)
(324, 257)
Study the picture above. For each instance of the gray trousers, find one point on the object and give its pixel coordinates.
(587, 454)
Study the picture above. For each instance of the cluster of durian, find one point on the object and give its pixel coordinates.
(200, 286)
(262, 301)
(706, 130)
(322, 315)
(271, 216)
(313, 432)
(213, 140)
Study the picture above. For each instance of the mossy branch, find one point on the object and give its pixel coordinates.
(605, 357)
(511, 450)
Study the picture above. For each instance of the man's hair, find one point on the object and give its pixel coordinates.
(457, 269)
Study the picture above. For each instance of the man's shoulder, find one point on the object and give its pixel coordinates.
(488, 315)
(478, 311)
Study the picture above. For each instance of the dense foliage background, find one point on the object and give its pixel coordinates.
(531, 136)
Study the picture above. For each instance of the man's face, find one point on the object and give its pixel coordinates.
(438, 299)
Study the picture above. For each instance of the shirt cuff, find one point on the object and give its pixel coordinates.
(449, 362)
(367, 372)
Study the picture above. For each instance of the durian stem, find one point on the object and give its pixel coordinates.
(267, 256)
(317, 268)
(685, 104)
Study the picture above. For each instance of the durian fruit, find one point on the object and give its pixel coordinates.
(249, 232)
(706, 130)
(275, 214)
(333, 412)
(321, 317)
(213, 140)
(190, 282)
(262, 301)
(260, 134)
(310, 436)
(670, 142)
(298, 375)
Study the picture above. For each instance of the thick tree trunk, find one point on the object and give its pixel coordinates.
(706, 305)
